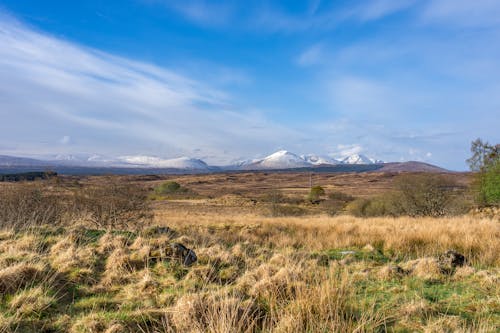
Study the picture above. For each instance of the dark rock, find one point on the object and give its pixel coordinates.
(449, 260)
(187, 256)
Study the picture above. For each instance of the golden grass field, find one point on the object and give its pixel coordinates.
(255, 272)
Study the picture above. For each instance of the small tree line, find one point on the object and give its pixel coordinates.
(485, 161)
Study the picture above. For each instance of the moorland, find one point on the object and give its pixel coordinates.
(276, 252)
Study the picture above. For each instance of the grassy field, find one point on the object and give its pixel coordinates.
(255, 272)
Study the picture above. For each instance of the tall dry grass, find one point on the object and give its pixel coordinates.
(477, 238)
(254, 274)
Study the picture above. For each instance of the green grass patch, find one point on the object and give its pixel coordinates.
(359, 255)
(465, 298)
(96, 303)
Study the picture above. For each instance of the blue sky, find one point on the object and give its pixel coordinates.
(227, 80)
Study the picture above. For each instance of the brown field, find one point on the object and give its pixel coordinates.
(255, 272)
(239, 188)
(253, 184)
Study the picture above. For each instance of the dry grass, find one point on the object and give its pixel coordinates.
(254, 273)
(476, 238)
(257, 274)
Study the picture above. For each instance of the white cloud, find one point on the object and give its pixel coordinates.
(311, 56)
(463, 13)
(200, 11)
(270, 16)
(50, 88)
(275, 19)
(376, 9)
(344, 150)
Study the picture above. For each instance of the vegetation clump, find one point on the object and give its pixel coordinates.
(114, 205)
(169, 187)
(485, 161)
(108, 205)
(415, 195)
(315, 194)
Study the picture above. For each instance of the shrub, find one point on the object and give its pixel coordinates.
(486, 161)
(415, 195)
(114, 205)
(380, 206)
(27, 205)
(490, 184)
(168, 188)
(316, 193)
(376, 206)
(357, 207)
(424, 195)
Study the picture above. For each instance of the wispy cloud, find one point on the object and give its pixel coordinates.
(205, 13)
(311, 55)
(344, 150)
(373, 10)
(463, 13)
(271, 17)
(52, 89)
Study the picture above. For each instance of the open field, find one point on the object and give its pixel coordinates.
(249, 191)
(255, 272)
(253, 184)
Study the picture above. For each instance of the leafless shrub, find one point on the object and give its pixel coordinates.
(109, 205)
(114, 205)
(415, 195)
(426, 195)
(27, 205)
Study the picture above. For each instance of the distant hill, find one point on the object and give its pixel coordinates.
(13, 161)
(281, 161)
(411, 166)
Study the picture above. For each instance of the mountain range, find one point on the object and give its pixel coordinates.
(280, 160)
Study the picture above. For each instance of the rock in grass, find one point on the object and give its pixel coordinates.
(450, 260)
(187, 256)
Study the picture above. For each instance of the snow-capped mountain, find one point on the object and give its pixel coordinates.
(319, 160)
(157, 162)
(279, 160)
(236, 164)
(287, 160)
(131, 161)
(359, 159)
(84, 160)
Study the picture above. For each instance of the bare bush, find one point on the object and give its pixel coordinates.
(426, 195)
(415, 195)
(27, 205)
(114, 205)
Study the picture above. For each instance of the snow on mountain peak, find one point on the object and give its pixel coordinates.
(157, 162)
(282, 159)
(359, 159)
(319, 160)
